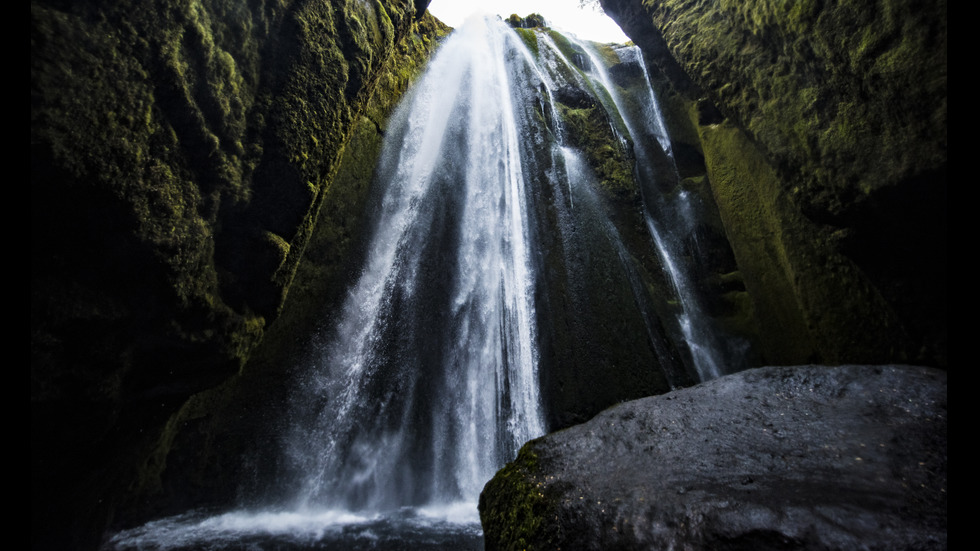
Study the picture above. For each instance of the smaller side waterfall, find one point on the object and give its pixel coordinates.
(669, 216)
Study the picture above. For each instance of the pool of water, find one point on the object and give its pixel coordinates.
(454, 526)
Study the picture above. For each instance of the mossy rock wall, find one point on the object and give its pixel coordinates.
(738, 463)
(823, 126)
(181, 154)
(604, 301)
(221, 446)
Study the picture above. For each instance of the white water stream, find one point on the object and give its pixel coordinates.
(429, 382)
(667, 218)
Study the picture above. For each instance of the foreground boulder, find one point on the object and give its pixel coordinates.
(773, 458)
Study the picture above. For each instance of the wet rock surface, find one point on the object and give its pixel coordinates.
(773, 458)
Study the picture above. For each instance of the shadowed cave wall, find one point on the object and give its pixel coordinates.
(183, 155)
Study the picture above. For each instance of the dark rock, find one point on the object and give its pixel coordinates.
(708, 113)
(574, 97)
(623, 73)
(420, 7)
(814, 457)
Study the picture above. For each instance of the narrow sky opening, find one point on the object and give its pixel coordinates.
(588, 23)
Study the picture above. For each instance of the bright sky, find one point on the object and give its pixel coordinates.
(561, 14)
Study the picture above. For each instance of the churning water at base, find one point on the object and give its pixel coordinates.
(425, 529)
(427, 381)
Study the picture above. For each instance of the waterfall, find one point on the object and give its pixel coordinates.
(429, 381)
(669, 219)
(487, 231)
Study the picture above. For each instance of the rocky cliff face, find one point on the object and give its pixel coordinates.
(181, 154)
(823, 126)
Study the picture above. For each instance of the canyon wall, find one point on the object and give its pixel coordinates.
(823, 126)
(181, 154)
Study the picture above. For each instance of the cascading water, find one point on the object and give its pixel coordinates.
(429, 383)
(430, 377)
(669, 219)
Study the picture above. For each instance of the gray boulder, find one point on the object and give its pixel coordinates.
(813, 457)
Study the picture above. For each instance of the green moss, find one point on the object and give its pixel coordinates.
(531, 21)
(530, 38)
(589, 129)
(766, 60)
(811, 302)
(750, 214)
(607, 54)
(515, 509)
(845, 109)
(564, 46)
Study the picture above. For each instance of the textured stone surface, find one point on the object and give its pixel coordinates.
(812, 457)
